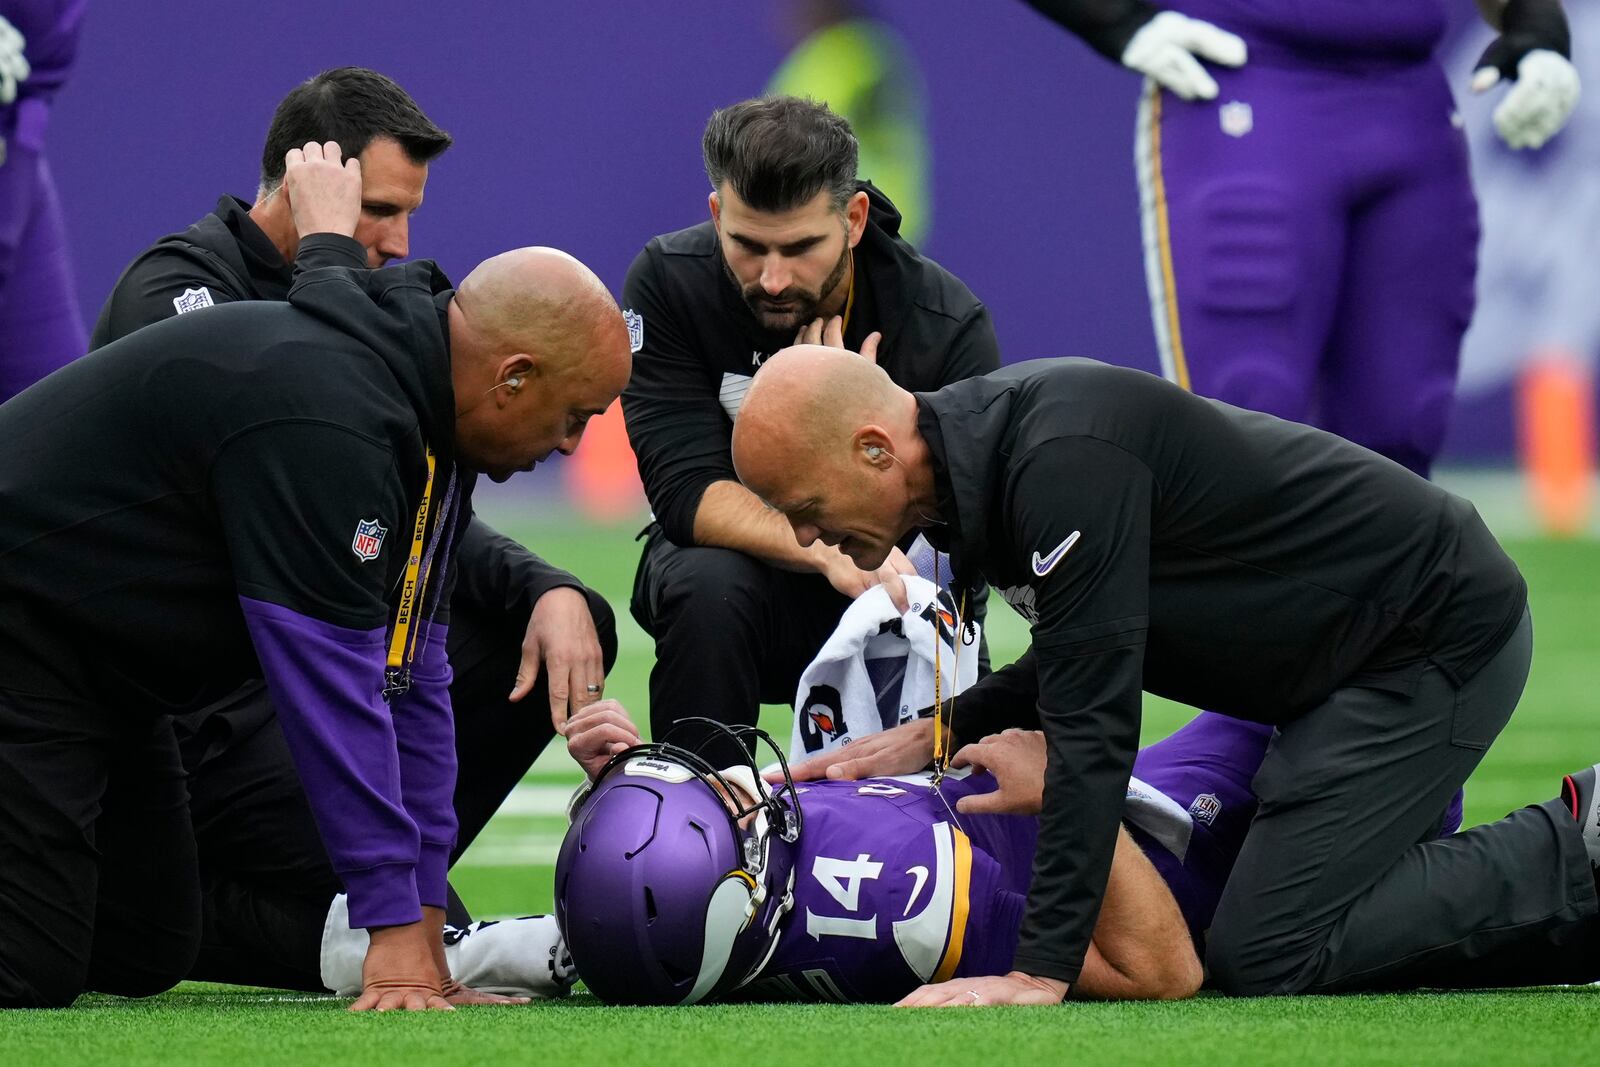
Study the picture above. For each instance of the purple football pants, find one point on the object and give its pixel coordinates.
(1310, 244)
(41, 327)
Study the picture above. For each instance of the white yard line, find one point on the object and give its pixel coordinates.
(519, 850)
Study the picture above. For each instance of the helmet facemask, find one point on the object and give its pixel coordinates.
(734, 899)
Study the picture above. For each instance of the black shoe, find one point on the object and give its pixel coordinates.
(1579, 794)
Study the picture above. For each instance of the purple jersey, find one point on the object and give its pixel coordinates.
(1367, 27)
(1190, 805)
(893, 890)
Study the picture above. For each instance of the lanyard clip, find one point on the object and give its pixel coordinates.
(396, 683)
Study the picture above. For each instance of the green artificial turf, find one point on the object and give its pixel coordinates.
(508, 872)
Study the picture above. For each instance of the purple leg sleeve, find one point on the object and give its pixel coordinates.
(1310, 241)
(41, 327)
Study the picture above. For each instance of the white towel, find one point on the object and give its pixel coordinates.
(876, 670)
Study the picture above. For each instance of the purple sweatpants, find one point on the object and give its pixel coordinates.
(1311, 241)
(41, 327)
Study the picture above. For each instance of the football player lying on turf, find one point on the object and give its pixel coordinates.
(679, 882)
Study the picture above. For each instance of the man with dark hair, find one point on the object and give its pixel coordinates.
(275, 487)
(248, 252)
(796, 244)
(354, 106)
(522, 628)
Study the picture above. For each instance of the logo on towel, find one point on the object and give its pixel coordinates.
(1236, 118)
(941, 614)
(368, 541)
(1043, 565)
(193, 300)
(1206, 808)
(635, 323)
(822, 718)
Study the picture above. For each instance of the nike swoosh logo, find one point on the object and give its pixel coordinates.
(921, 874)
(1043, 565)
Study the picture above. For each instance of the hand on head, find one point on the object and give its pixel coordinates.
(323, 189)
(596, 733)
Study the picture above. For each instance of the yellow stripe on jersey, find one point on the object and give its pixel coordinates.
(1158, 242)
(960, 907)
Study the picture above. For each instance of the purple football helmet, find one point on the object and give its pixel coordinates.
(666, 892)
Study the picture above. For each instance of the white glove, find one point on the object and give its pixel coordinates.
(1165, 49)
(13, 64)
(1540, 101)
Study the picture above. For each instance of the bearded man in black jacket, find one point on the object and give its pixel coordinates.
(796, 246)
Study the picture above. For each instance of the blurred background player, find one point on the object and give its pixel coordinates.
(1310, 230)
(1536, 329)
(865, 72)
(796, 244)
(41, 325)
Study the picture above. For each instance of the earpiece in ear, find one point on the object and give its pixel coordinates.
(514, 382)
(873, 451)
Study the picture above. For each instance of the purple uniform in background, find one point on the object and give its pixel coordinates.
(41, 327)
(1311, 234)
(893, 890)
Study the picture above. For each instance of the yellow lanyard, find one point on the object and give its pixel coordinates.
(401, 640)
(942, 726)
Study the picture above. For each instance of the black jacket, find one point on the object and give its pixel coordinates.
(231, 494)
(697, 345)
(1222, 558)
(225, 257)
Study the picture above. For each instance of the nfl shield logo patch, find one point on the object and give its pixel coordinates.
(368, 541)
(1237, 118)
(635, 323)
(1206, 808)
(193, 300)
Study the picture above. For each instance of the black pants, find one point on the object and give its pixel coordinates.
(1338, 888)
(732, 633)
(266, 877)
(99, 885)
(116, 878)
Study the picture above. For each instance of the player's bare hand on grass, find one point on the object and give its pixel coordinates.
(904, 749)
(830, 332)
(561, 637)
(463, 995)
(1016, 758)
(852, 581)
(400, 973)
(324, 189)
(1013, 988)
(598, 732)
